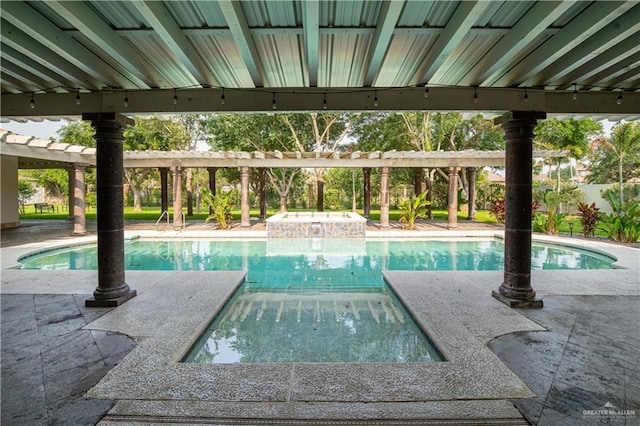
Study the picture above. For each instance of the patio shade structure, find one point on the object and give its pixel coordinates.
(522, 61)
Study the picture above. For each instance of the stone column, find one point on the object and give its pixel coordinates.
(71, 178)
(516, 291)
(452, 211)
(212, 183)
(78, 196)
(366, 203)
(471, 178)
(164, 189)
(177, 196)
(245, 215)
(262, 189)
(384, 197)
(112, 289)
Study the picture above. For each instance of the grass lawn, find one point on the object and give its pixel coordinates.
(153, 213)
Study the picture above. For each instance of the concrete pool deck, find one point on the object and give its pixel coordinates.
(64, 363)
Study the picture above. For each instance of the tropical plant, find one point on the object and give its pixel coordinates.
(623, 224)
(221, 205)
(617, 156)
(497, 209)
(554, 219)
(589, 215)
(412, 209)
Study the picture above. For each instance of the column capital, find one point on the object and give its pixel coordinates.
(520, 115)
(97, 117)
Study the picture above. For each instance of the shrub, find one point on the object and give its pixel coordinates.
(221, 205)
(497, 209)
(623, 225)
(413, 208)
(589, 215)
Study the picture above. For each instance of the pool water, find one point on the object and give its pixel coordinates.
(314, 300)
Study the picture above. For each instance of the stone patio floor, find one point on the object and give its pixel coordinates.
(576, 361)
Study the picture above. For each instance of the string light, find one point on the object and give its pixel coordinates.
(78, 97)
(619, 100)
(222, 99)
(274, 105)
(426, 90)
(475, 95)
(324, 102)
(526, 95)
(574, 95)
(32, 102)
(126, 99)
(375, 99)
(175, 97)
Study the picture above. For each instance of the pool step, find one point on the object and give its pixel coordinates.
(470, 412)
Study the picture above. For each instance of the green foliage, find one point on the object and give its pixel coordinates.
(552, 200)
(617, 158)
(221, 205)
(589, 215)
(78, 133)
(551, 223)
(623, 225)
(412, 209)
(572, 135)
(25, 190)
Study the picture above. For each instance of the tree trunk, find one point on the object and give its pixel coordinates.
(137, 203)
(320, 207)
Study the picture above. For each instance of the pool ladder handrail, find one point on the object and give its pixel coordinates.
(164, 214)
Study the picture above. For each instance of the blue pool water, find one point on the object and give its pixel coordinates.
(315, 300)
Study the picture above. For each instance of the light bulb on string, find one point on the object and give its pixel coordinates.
(475, 95)
(574, 95)
(175, 97)
(222, 98)
(426, 90)
(375, 100)
(32, 102)
(526, 95)
(324, 102)
(619, 100)
(78, 97)
(274, 105)
(126, 99)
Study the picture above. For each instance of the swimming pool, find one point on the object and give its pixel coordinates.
(314, 300)
(282, 258)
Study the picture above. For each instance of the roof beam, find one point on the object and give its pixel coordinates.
(311, 25)
(25, 76)
(36, 68)
(158, 17)
(237, 22)
(389, 14)
(14, 37)
(592, 19)
(125, 59)
(45, 32)
(632, 75)
(13, 84)
(458, 26)
(610, 60)
(528, 28)
(606, 38)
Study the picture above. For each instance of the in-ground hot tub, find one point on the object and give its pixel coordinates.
(316, 225)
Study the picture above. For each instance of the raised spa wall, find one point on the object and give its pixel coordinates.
(316, 225)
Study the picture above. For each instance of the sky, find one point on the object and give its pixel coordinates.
(47, 129)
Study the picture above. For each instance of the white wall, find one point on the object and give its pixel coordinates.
(9, 192)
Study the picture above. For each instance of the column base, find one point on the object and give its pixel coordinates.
(109, 303)
(517, 303)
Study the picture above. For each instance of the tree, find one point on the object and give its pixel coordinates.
(318, 133)
(194, 131)
(617, 155)
(572, 135)
(149, 134)
(25, 191)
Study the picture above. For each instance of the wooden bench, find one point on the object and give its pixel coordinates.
(40, 207)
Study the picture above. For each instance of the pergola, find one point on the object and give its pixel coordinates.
(109, 61)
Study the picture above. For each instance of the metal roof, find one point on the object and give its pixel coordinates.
(304, 51)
